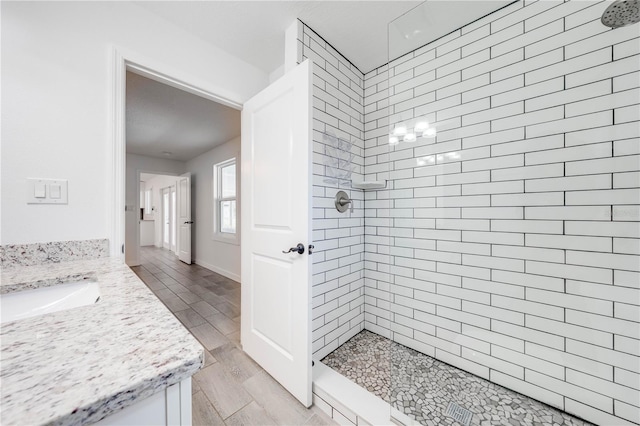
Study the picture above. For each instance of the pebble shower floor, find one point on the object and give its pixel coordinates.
(423, 387)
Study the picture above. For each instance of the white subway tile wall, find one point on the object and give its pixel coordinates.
(338, 258)
(509, 245)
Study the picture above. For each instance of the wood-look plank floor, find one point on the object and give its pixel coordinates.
(231, 389)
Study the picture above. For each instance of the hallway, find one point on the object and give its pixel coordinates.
(231, 389)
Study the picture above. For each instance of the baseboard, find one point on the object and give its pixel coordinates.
(132, 262)
(218, 270)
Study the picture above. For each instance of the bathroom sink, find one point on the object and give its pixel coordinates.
(30, 303)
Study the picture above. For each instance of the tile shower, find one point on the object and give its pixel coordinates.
(507, 245)
(426, 389)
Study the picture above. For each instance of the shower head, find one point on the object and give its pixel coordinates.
(621, 13)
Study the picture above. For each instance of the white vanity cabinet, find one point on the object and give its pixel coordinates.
(124, 320)
(170, 407)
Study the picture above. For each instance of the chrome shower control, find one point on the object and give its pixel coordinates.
(342, 200)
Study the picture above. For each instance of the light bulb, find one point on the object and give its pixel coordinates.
(421, 126)
(393, 140)
(429, 133)
(400, 130)
(410, 137)
(420, 161)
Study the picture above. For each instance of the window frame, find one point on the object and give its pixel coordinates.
(218, 235)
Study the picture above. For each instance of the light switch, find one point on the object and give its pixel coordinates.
(47, 191)
(54, 191)
(40, 190)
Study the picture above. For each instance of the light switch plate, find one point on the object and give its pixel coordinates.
(55, 191)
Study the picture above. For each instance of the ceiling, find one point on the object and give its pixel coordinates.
(145, 177)
(254, 30)
(162, 119)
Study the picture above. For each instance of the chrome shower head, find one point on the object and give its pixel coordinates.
(621, 13)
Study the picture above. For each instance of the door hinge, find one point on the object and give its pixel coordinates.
(122, 248)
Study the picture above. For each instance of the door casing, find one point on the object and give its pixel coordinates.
(123, 60)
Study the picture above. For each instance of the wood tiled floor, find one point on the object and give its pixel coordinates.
(231, 389)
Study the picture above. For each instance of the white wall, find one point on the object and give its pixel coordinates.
(135, 164)
(221, 257)
(55, 103)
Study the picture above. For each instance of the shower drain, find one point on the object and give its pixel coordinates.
(459, 414)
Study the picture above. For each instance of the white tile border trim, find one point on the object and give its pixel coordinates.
(344, 395)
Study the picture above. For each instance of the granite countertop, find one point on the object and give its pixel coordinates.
(80, 365)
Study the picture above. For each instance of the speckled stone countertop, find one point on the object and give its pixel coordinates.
(80, 365)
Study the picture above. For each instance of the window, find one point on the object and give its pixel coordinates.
(225, 201)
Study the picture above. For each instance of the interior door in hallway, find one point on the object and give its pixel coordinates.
(184, 218)
(166, 218)
(174, 207)
(276, 216)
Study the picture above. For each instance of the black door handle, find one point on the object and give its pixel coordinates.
(299, 248)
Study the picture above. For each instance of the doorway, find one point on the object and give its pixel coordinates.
(169, 218)
(157, 224)
(277, 105)
(172, 131)
(122, 190)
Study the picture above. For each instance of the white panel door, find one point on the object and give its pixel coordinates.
(166, 218)
(184, 218)
(276, 215)
(174, 218)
